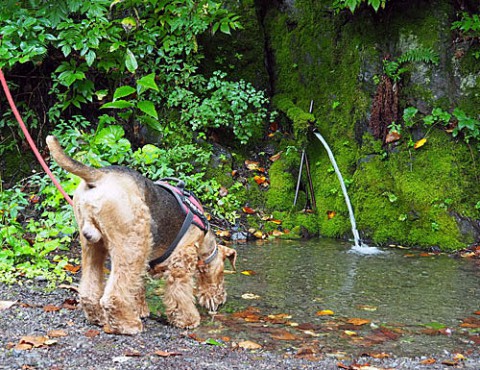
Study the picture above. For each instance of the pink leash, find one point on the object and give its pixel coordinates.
(29, 139)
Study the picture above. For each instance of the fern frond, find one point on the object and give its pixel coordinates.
(425, 55)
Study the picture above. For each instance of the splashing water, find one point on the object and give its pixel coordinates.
(359, 247)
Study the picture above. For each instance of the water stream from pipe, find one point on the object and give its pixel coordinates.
(359, 247)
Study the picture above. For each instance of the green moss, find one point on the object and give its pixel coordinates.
(399, 195)
(301, 119)
(419, 212)
(280, 196)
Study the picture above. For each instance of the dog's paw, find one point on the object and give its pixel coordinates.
(125, 329)
(211, 300)
(184, 321)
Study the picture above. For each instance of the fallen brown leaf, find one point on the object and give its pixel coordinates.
(284, 335)
(377, 355)
(276, 157)
(91, 333)
(248, 210)
(34, 341)
(70, 304)
(166, 354)
(132, 353)
(56, 333)
(51, 308)
(248, 344)
(450, 362)
(358, 322)
(23, 346)
(223, 192)
(72, 269)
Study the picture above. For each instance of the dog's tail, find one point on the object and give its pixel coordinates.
(87, 173)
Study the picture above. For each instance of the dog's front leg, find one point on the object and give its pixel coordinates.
(178, 298)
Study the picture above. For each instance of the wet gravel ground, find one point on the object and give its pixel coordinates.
(72, 343)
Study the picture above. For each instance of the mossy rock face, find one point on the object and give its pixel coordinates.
(399, 195)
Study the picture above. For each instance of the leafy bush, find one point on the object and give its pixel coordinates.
(354, 4)
(138, 62)
(126, 49)
(469, 27)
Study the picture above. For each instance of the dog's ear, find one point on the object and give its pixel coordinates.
(229, 253)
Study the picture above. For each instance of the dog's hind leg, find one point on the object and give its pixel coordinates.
(122, 300)
(178, 298)
(93, 280)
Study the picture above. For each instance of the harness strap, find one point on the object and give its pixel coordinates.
(186, 224)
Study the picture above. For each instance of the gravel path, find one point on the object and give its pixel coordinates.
(62, 339)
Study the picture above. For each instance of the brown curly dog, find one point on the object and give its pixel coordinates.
(133, 220)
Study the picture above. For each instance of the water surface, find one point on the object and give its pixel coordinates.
(400, 292)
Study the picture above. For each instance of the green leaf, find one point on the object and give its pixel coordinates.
(123, 91)
(148, 82)
(131, 61)
(152, 123)
(90, 57)
(109, 135)
(352, 4)
(375, 4)
(213, 342)
(225, 28)
(148, 107)
(128, 23)
(118, 104)
(435, 325)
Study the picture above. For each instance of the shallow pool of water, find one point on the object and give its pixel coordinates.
(416, 303)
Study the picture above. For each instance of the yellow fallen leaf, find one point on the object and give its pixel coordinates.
(248, 272)
(350, 333)
(278, 222)
(325, 313)
(367, 307)
(250, 296)
(420, 143)
(459, 357)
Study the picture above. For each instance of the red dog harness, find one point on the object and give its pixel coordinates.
(194, 214)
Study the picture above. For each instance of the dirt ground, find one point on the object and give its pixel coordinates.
(47, 330)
